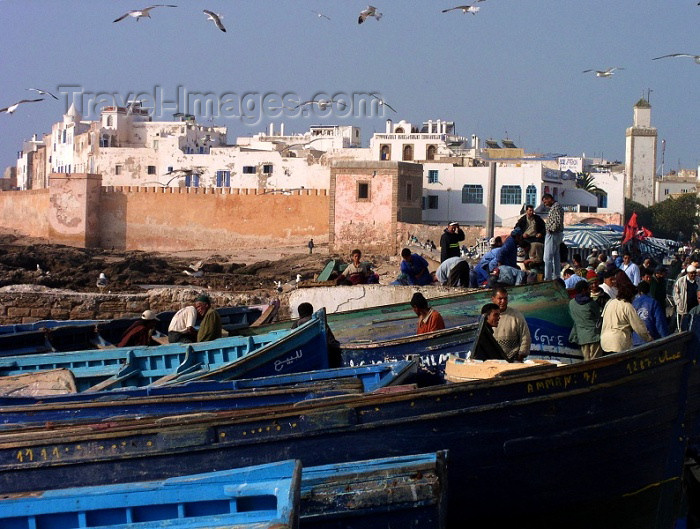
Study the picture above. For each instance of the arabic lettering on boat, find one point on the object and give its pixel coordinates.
(279, 364)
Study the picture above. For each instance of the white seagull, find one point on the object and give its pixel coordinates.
(320, 15)
(42, 92)
(370, 11)
(216, 18)
(141, 13)
(13, 107)
(382, 103)
(465, 9)
(323, 104)
(696, 58)
(604, 73)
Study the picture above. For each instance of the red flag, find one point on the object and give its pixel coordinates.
(630, 229)
(645, 233)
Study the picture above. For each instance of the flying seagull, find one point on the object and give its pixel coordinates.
(141, 13)
(42, 92)
(465, 9)
(696, 58)
(382, 103)
(604, 73)
(216, 18)
(13, 107)
(370, 11)
(323, 104)
(320, 15)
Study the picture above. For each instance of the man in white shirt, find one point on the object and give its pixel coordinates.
(609, 284)
(631, 269)
(181, 328)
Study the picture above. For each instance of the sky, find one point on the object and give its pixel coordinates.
(513, 70)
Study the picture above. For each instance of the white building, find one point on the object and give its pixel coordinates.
(684, 181)
(128, 149)
(640, 156)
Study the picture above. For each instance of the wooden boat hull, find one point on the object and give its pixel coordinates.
(404, 491)
(261, 497)
(199, 397)
(303, 349)
(598, 444)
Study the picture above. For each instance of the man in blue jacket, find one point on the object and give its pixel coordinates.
(414, 269)
(651, 314)
(505, 255)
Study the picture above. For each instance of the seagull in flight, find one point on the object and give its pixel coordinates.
(216, 18)
(42, 92)
(696, 58)
(320, 15)
(604, 73)
(465, 9)
(323, 104)
(370, 11)
(13, 107)
(141, 13)
(382, 103)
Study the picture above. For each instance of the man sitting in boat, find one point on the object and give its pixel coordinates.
(512, 333)
(335, 358)
(140, 332)
(429, 319)
(210, 328)
(182, 326)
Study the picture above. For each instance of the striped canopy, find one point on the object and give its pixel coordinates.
(591, 236)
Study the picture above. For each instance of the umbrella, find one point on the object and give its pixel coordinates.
(589, 236)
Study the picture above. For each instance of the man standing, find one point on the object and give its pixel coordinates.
(631, 269)
(311, 246)
(650, 313)
(658, 286)
(685, 294)
(554, 237)
(512, 333)
(585, 313)
(449, 242)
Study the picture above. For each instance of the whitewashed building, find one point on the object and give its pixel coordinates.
(640, 156)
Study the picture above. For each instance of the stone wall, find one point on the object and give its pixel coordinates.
(174, 219)
(25, 212)
(22, 304)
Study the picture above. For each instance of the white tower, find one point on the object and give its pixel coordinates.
(640, 156)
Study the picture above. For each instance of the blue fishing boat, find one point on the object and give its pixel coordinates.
(387, 332)
(403, 491)
(259, 497)
(596, 444)
(75, 335)
(199, 397)
(301, 349)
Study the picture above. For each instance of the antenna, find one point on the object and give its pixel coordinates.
(649, 91)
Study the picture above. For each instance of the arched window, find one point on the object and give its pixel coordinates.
(430, 152)
(511, 195)
(531, 195)
(472, 194)
(398, 130)
(385, 152)
(408, 153)
(110, 121)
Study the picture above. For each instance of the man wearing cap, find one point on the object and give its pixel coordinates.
(554, 237)
(449, 242)
(210, 328)
(685, 293)
(140, 332)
